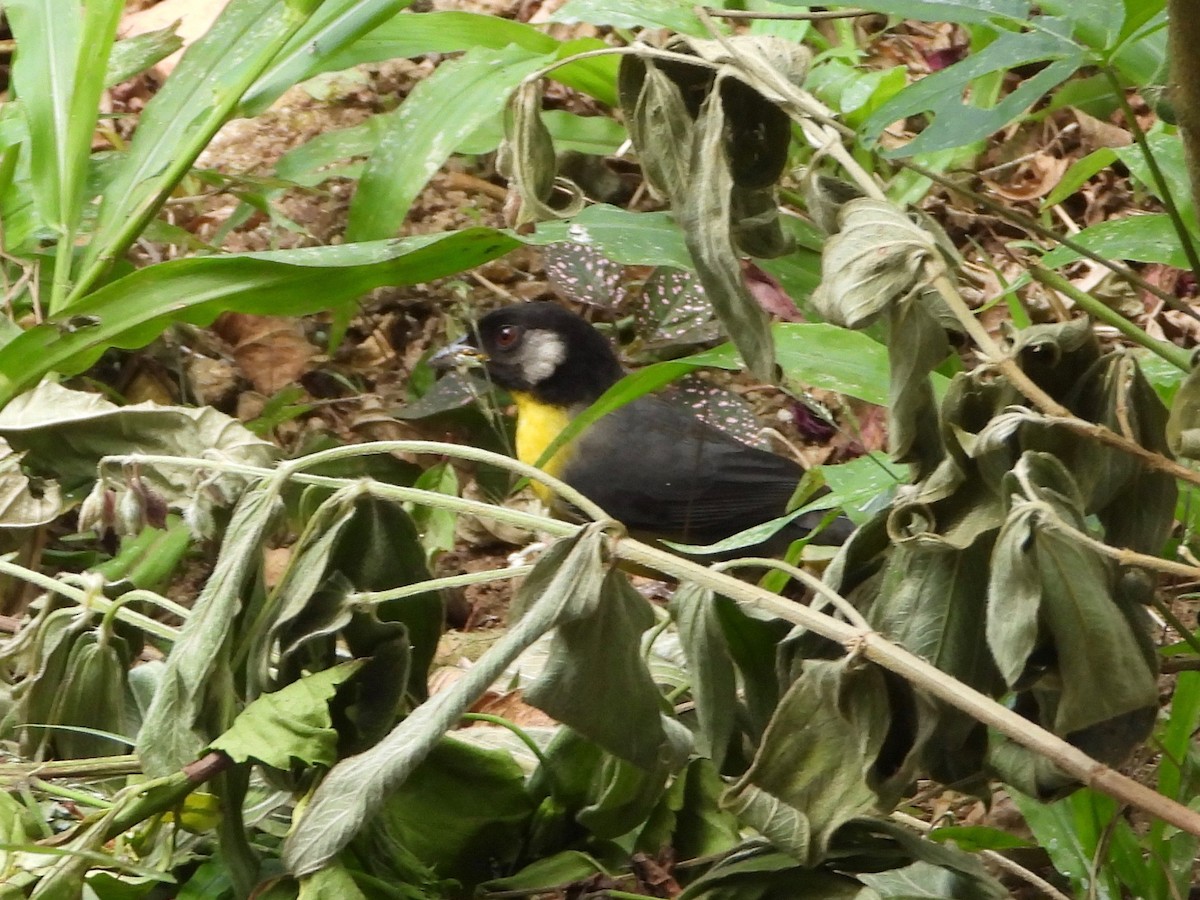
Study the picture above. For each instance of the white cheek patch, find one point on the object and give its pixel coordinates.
(542, 354)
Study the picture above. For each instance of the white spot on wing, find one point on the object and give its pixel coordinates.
(544, 352)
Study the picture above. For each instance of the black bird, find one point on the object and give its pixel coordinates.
(652, 464)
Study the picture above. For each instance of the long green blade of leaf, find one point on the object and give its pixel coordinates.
(181, 119)
(134, 310)
(420, 136)
(44, 78)
(337, 25)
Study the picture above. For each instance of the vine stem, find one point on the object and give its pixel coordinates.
(1176, 356)
(1033, 225)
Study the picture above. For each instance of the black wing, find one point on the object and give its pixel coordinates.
(660, 470)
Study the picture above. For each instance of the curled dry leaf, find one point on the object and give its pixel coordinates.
(271, 351)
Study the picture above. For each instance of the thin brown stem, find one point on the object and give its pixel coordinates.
(1036, 227)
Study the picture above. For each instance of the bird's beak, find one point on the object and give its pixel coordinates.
(460, 354)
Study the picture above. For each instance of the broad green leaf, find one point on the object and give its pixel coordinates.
(134, 310)
(310, 163)
(714, 681)
(854, 484)
(415, 34)
(1070, 831)
(1167, 150)
(707, 218)
(817, 758)
(761, 873)
(73, 430)
(529, 162)
(1139, 238)
(1096, 24)
(646, 239)
(330, 883)
(1078, 174)
(355, 789)
(1046, 588)
(463, 811)
(594, 135)
(335, 26)
(180, 120)
(21, 506)
(956, 123)
(961, 874)
(563, 868)
(289, 725)
(978, 837)
(596, 681)
(418, 137)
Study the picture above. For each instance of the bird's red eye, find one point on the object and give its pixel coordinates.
(507, 336)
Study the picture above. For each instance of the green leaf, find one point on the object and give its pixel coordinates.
(563, 868)
(964, 12)
(333, 882)
(1167, 150)
(631, 14)
(134, 310)
(292, 724)
(355, 788)
(528, 160)
(1140, 238)
(596, 681)
(336, 25)
(714, 680)
(418, 137)
(25, 503)
(59, 75)
(706, 215)
(134, 55)
(956, 123)
(978, 837)
(71, 431)
(854, 484)
(635, 239)
(410, 35)
(1078, 174)
(817, 758)
(463, 811)
(1049, 592)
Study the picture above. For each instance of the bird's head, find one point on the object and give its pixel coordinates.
(538, 349)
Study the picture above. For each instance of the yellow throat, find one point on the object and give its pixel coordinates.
(537, 425)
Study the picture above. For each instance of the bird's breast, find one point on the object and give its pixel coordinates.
(538, 424)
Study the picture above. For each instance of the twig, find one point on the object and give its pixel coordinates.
(1036, 227)
(807, 16)
(840, 603)
(998, 858)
